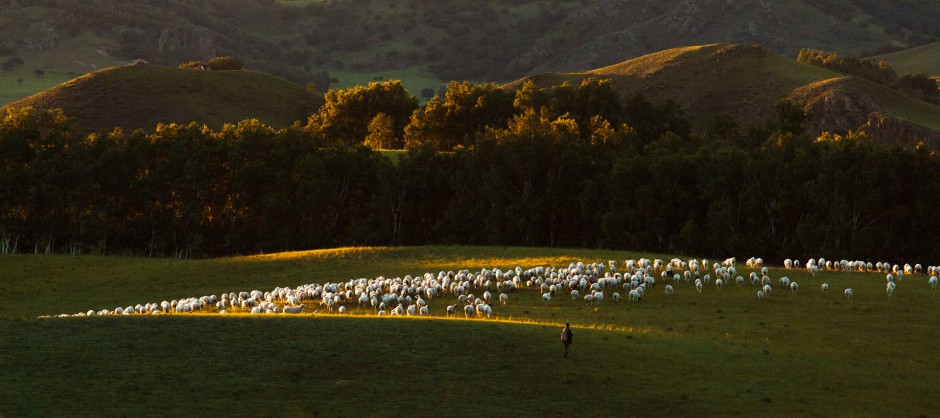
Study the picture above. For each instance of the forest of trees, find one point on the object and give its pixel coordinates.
(571, 166)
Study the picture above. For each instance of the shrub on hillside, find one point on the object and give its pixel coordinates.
(225, 64)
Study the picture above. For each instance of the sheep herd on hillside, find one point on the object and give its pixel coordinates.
(476, 292)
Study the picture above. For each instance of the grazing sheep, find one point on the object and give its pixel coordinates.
(739, 280)
(468, 310)
(767, 289)
(848, 293)
(503, 299)
(575, 294)
(589, 299)
(634, 295)
(616, 297)
(424, 311)
(294, 309)
(932, 281)
(451, 310)
(824, 287)
(794, 287)
(719, 283)
(698, 285)
(342, 310)
(760, 295)
(547, 297)
(669, 290)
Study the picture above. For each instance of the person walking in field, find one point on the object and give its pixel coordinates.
(566, 337)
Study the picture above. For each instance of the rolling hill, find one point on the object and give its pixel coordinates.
(141, 96)
(743, 81)
(748, 81)
(888, 116)
(426, 44)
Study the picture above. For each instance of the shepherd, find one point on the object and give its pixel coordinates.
(566, 337)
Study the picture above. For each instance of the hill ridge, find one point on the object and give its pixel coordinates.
(139, 96)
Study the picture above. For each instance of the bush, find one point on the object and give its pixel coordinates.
(225, 64)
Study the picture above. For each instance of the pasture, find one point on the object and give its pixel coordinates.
(714, 353)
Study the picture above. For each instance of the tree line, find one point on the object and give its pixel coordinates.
(571, 166)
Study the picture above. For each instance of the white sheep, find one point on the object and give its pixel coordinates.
(932, 281)
(575, 294)
(719, 283)
(794, 287)
(698, 285)
(503, 299)
(546, 297)
(589, 299)
(634, 295)
(760, 295)
(767, 289)
(616, 297)
(670, 290)
(848, 293)
(294, 309)
(824, 287)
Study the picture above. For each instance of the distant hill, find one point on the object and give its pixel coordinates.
(922, 59)
(427, 43)
(743, 81)
(747, 82)
(140, 96)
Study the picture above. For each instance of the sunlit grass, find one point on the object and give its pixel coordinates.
(715, 353)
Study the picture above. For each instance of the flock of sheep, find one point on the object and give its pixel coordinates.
(475, 292)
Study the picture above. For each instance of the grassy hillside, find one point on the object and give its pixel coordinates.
(715, 353)
(922, 59)
(140, 96)
(429, 43)
(886, 100)
(743, 81)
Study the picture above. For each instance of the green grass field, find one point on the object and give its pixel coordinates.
(921, 59)
(718, 353)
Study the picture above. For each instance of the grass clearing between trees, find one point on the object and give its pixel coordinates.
(715, 353)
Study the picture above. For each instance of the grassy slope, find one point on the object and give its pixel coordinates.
(709, 354)
(922, 59)
(709, 79)
(894, 103)
(74, 57)
(140, 96)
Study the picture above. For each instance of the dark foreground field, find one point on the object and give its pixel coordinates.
(718, 353)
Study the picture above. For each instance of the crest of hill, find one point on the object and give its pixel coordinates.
(743, 81)
(140, 96)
